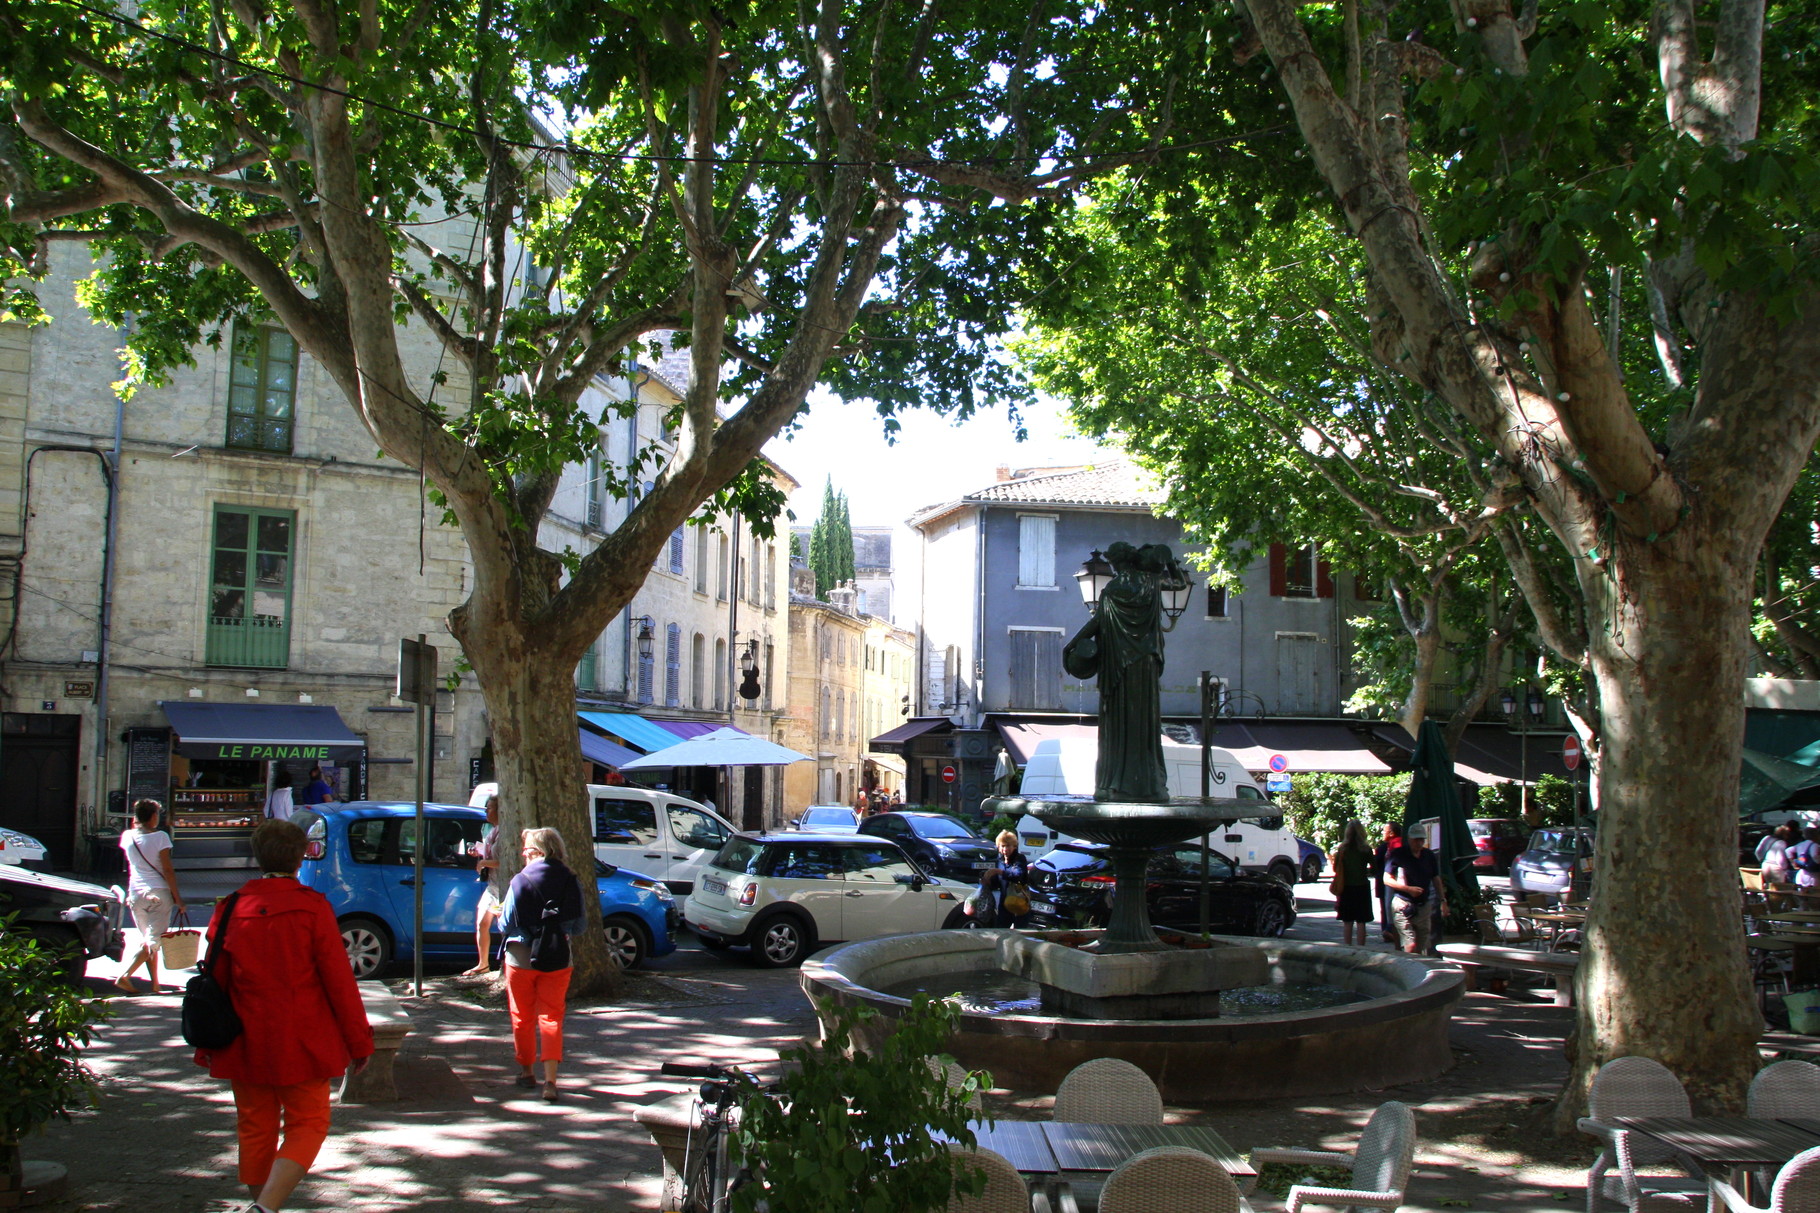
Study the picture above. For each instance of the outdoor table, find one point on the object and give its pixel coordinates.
(1021, 1142)
(1557, 921)
(1730, 1142)
(1045, 1151)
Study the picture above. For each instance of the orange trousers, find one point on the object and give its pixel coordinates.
(304, 1109)
(537, 1001)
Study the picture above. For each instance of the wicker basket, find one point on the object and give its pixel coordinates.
(180, 947)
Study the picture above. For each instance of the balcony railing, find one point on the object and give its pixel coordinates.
(261, 642)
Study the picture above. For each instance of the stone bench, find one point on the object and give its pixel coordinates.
(1560, 966)
(391, 1023)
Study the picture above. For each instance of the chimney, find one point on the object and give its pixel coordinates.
(1003, 474)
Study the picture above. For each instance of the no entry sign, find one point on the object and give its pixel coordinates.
(1570, 753)
(948, 774)
(1278, 763)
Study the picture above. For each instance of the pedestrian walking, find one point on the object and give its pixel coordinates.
(1351, 886)
(542, 909)
(285, 968)
(151, 888)
(1412, 873)
(486, 863)
(1391, 841)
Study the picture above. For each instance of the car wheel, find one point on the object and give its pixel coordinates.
(369, 946)
(627, 946)
(65, 946)
(1311, 869)
(959, 920)
(1272, 919)
(781, 941)
(1284, 871)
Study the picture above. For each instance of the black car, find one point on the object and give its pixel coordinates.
(71, 917)
(1071, 886)
(939, 843)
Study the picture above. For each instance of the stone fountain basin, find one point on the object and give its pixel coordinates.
(1398, 1035)
(1134, 824)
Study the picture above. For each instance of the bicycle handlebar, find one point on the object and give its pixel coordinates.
(679, 1069)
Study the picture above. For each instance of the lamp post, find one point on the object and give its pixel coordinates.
(1533, 705)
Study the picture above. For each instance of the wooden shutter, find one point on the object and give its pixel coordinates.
(1323, 579)
(1035, 550)
(1279, 571)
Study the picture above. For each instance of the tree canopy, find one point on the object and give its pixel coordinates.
(831, 543)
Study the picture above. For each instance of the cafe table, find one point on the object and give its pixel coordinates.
(1730, 1143)
(1558, 922)
(1082, 1154)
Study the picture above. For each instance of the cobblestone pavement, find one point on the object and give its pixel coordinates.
(463, 1137)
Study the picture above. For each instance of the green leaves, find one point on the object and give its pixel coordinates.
(45, 1023)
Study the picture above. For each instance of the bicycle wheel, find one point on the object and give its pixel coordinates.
(701, 1176)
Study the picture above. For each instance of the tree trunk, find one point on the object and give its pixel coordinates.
(1663, 973)
(531, 710)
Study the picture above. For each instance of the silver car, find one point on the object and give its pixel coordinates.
(1557, 857)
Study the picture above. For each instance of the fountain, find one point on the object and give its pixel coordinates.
(1126, 993)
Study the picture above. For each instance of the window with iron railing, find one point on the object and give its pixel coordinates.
(250, 588)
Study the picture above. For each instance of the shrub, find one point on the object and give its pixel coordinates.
(1319, 805)
(44, 1024)
(849, 1130)
(1551, 798)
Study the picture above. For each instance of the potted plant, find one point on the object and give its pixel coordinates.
(848, 1129)
(44, 1024)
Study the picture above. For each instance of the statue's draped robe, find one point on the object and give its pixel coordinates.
(1123, 646)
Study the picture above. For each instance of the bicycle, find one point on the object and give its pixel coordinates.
(708, 1182)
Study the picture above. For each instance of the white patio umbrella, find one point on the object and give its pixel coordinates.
(721, 748)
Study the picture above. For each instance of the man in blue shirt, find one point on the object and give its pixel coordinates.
(1412, 873)
(317, 790)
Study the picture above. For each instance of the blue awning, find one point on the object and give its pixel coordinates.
(264, 732)
(596, 748)
(647, 735)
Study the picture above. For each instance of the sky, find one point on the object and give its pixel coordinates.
(934, 460)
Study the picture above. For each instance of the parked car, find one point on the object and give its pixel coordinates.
(1072, 886)
(783, 895)
(20, 848)
(1499, 839)
(78, 919)
(940, 844)
(826, 819)
(660, 833)
(1314, 859)
(1555, 859)
(362, 857)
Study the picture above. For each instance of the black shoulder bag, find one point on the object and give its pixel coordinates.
(209, 1018)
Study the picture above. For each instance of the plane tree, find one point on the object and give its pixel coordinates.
(1523, 187)
(475, 215)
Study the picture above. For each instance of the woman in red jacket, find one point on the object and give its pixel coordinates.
(285, 968)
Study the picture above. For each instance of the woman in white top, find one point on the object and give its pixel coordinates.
(151, 888)
(278, 804)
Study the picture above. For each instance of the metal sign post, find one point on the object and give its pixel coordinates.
(417, 684)
(1206, 791)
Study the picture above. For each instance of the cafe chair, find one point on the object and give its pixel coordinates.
(1004, 1191)
(1380, 1164)
(1107, 1091)
(1491, 931)
(1784, 1089)
(1171, 1179)
(1796, 1190)
(1637, 1086)
(954, 1076)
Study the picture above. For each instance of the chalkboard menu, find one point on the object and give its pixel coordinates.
(148, 764)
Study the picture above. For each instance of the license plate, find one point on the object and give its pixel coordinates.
(1042, 907)
(712, 885)
(981, 867)
(1035, 840)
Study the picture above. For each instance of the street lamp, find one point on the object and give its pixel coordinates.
(748, 670)
(647, 636)
(1534, 705)
(1176, 590)
(1094, 577)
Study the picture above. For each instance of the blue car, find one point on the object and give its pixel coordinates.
(362, 856)
(1313, 860)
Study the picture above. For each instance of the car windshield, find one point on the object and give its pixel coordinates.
(740, 855)
(939, 827)
(1554, 840)
(828, 817)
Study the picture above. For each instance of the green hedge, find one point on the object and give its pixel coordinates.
(1318, 806)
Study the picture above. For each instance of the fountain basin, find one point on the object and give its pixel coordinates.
(1169, 984)
(1397, 1035)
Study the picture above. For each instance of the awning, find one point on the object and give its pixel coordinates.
(1489, 753)
(1021, 736)
(265, 732)
(1306, 745)
(894, 741)
(649, 733)
(886, 762)
(598, 749)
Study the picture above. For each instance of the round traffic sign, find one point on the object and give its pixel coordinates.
(948, 774)
(1278, 763)
(1570, 753)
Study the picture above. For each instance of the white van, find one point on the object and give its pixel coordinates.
(1064, 766)
(657, 834)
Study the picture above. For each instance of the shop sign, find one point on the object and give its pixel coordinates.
(252, 750)
(78, 690)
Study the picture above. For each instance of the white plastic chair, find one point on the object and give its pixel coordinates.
(1796, 1190)
(1004, 1192)
(1171, 1179)
(1637, 1086)
(1380, 1163)
(1784, 1088)
(1108, 1091)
